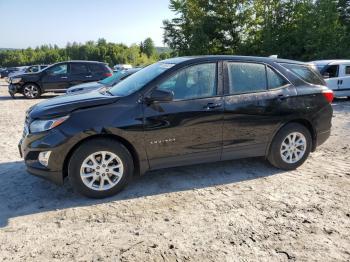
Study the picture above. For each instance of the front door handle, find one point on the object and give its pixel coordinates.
(88, 76)
(64, 77)
(212, 106)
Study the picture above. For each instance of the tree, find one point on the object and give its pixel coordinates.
(147, 47)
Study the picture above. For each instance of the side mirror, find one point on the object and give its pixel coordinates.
(160, 96)
(325, 75)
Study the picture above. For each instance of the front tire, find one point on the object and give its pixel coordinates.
(290, 147)
(31, 91)
(100, 168)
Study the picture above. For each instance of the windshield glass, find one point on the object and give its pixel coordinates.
(139, 79)
(113, 78)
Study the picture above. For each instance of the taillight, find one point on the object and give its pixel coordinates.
(108, 74)
(328, 94)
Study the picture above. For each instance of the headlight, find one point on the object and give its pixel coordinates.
(15, 80)
(43, 125)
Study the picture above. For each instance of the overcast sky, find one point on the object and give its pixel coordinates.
(25, 23)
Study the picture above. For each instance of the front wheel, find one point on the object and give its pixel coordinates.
(100, 168)
(31, 91)
(290, 147)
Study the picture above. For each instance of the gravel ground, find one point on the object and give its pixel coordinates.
(237, 210)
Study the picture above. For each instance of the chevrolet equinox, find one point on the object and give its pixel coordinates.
(179, 111)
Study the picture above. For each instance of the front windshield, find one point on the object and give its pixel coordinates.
(111, 79)
(139, 79)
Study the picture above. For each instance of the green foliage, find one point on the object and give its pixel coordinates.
(296, 29)
(101, 50)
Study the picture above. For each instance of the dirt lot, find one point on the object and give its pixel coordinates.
(236, 210)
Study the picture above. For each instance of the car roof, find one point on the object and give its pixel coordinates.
(333, 61)
(178, 60)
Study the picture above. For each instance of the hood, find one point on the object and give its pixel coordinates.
(65, 104)
(84, 86)
(25, 75)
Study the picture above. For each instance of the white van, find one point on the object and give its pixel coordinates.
(336, 73)
(121, 67)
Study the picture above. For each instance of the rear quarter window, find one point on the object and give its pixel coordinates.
(305, 73)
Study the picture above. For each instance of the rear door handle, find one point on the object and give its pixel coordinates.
(88, 76)
(64, 77)
(212, 105)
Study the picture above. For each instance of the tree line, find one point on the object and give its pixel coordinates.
(296, 29)
(143, 54)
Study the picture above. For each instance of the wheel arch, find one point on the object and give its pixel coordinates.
(300, 121)
(119, 139)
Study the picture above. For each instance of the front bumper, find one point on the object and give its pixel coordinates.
(13, 89)
(31, 145)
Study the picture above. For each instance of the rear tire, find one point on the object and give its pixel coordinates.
(31, 91)
(100, 168)
(290, 147)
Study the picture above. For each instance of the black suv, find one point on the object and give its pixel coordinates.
(58, 77)
(177, 112)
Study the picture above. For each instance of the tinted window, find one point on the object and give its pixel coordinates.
(76, 69)
(97, 68)
(306, 73)
(246, 77)
(274, 79)
(57, 70)
(193, 82)
(347, 70)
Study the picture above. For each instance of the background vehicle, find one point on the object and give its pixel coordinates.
(336, 74)
(107, 82)
(120, 67)
(7, 71)
(27, 69)
(177, 112)
(58, 77)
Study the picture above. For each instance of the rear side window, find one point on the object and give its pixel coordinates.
(347, 70)
(98, 68)
(274, 79)
(77, 69)
(246, 77)
(305, 73)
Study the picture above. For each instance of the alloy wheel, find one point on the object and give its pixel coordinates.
(293, 147)
(101, 170)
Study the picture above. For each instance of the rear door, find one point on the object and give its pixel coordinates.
(187, 130)
(332, 72)
(79, 73)
(344, 78)
(255, 99)
(99, 71)
(56, 77)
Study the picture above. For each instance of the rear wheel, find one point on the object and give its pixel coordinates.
(100, 168)
(31, 91)
(290, 147)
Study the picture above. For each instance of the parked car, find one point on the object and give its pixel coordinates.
(26, 69)
(336, 74)
(177, 112)
(21, 70)
(107, 82)
(121, 67)
(7, 71)
(58, 77)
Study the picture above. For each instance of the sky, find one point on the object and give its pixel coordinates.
(30, 23)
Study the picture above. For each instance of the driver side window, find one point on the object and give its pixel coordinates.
(57, 70)
(197, 81)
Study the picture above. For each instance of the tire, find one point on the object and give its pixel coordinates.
(84, 155)
(31, 91)
(293, 156)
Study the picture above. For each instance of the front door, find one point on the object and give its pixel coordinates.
(187, 130)
(79, 73)
(55, 78)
